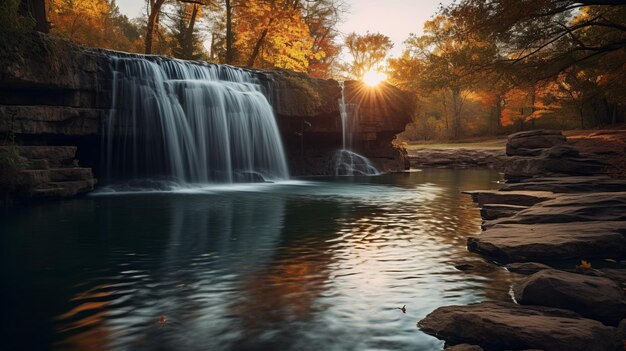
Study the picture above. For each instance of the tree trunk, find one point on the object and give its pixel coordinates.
(37, 10)
(188, 45)
(229, 33)
(155, 8)
(456, 109)
(582, 118)
(257, 46)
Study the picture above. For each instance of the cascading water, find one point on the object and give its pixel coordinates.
(189, 122)
(347, 162)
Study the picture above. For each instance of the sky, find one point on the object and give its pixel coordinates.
(393, 18)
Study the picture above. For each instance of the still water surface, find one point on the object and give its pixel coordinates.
(317, 264)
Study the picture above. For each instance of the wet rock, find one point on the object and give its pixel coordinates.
(515, 198)
(503, 326)
(551, 241)
(592, 297)
(526, 268)
(616, 274)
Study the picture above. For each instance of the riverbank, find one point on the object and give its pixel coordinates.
(559, 222)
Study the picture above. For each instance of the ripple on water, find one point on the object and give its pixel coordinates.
(304, 265)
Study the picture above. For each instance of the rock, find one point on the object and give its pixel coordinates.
(464, 347)
(545, 153)
(572, 208)
(527, 143)
(495, 211)
(621, 330)
(526, 268)
(504, 325)
(514, 198)
(592, 297)
(551, 241)
(568, 184)
(615, 274)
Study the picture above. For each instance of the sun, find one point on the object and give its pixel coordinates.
(373, 78)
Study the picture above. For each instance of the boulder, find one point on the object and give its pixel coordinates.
(551, 241)
(592, 297)
(507, 326)
(530, 143)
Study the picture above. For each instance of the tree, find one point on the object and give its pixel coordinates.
(188, 44)
(540, 35)
(273, 33)
(368, 52)
(95, 23)
(322, 18)
(37, 10)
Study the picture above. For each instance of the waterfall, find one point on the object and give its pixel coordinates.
(189, 122)
(347, 162)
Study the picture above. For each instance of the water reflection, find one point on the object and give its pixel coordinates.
(320, 264)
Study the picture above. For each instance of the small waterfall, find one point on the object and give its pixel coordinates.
(347, 162)
(189, 122)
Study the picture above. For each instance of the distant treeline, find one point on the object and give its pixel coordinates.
(486, 67)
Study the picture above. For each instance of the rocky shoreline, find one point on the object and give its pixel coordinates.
(457, 158)
(560, 222)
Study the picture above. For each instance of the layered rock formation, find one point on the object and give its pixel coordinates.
(554, 211)
(60, 95)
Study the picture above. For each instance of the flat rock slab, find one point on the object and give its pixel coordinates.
(597, 298)
(526, 268)
(514, 198)
(507, 326)
(568, 184)
(551, 241)
(572, 208)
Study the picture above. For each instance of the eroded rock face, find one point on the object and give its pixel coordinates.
(551, 241)
(61, 96)
(593, 297)
(507, 326)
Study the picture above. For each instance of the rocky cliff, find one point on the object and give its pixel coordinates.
(60, 95)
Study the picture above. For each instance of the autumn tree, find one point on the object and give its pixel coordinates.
(367, 52)
(322, 18)
(96, 23)
(273, 33)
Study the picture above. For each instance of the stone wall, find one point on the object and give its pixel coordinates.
(60, 95)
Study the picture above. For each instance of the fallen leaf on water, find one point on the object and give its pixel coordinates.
(584, 264)
(162, 321)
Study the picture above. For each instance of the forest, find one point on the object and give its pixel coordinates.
(479, 68)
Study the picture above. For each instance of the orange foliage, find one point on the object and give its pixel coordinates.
(93, 23)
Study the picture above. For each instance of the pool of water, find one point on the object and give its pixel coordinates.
(316, 264)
